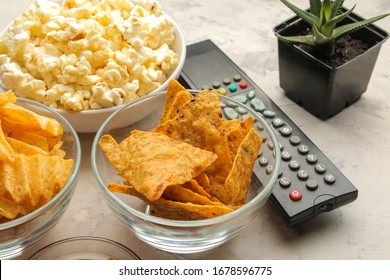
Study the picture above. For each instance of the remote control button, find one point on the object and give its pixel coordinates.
(263, 135)
(295, 140)
(242, 111)
(271, 145)
(269, 169)
(285, 182)
(263, 161)
(303, 149)
(232, 104)
(311, 158)
(295, 195)
(233, 88)
(286, 156)
(294, 165)
(243, 85)
(278, 122)
(311, 185)
(227, 81)
(286, 130)
(205, 87)
(216, 84)
(237, 78)
(230, 113)
(251, 94)
(281, 147)
(257, 104)
(222, 91)
(303, 174)
(269, 114)
(329, 179)
(259, 126)
(241, 98)
(320, 168)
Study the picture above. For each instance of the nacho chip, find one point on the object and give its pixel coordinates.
(186, 211)
(179, 100)
(158, 161)
(239, 178)
(173, 88)
(183, 194)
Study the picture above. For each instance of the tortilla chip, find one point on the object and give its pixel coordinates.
(158, 161)
(173, 88)
(240, 176)
(186, 211)
(179, 100)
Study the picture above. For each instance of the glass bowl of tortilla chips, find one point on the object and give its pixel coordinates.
(39, 161)
(186, 178)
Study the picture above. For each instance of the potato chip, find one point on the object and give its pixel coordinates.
(6, 151)
(27, 120)
(158, 161)
(7, 97)
(20, 183)
(29, 175)
(24, 148)
(9, 209)
(239, 178)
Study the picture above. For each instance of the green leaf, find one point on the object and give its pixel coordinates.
(329, 26)
(327, 10)
(315, 7)
(348, 28)
(336, 7)
(306, 16)
(307, 39)
(320, 38)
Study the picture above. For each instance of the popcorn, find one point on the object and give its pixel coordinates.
(87, 54)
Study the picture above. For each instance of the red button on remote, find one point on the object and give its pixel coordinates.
(243, 85)
(295, 195)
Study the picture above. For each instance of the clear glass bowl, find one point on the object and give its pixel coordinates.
(22, 233)
(85, 248)
(174, 235)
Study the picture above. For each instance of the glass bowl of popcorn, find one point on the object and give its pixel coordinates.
(86, 58)
(40, 165)
(186, 178)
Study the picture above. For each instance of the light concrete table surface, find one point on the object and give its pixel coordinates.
(357, 140)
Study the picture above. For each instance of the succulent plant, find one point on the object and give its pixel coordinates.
(324, 17)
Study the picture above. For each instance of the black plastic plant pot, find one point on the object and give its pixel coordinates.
(320, 89)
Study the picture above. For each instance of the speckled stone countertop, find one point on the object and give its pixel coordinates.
(357, 140)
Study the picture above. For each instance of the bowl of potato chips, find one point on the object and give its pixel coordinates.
(186, 178)
(40, 158)
(86, 58)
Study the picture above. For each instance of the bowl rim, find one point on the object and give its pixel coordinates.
(85, 238)
(180, 223)
(69, 183)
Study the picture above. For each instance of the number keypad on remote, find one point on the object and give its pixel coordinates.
(309, 183)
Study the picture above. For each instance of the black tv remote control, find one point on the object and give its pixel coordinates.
(309, 183)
